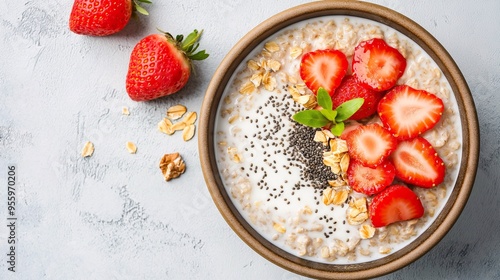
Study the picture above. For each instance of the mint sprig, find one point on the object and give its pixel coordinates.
(327, 115)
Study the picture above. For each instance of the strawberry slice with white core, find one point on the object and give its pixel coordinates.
(395, 203)
(370, 144)
(407, 112)
(377, 65)
(349, 127)
(417, 163)
(323, 68)
(370, 180)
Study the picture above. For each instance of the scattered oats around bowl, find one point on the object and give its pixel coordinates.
(176, 112)
(125, 111)
(173, 122)
(88, 149)
(131, 147)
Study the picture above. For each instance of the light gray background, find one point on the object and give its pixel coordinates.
(112, 216)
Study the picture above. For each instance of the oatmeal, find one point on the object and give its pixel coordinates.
(287, 179)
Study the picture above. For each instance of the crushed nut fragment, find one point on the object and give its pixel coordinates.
(172, 166)
(88, 149)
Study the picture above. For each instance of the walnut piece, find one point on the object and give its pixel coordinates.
(172, 166)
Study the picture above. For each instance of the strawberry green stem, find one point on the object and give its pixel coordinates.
(187, 45)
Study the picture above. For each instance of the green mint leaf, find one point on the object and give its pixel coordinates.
(329, 114)
(348, 108)
(312, 118)
(324, 99)
(337, 128)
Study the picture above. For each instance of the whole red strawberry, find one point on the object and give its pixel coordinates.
(161, 65)
(103, 17)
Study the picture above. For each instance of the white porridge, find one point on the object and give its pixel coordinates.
(273, 169)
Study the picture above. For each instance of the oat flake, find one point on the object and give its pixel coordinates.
(88, 149)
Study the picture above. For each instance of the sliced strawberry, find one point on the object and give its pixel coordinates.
(323, 68)
(349, 127)
(377, 65)
(370, 144)
(395, 203)
(349, 89)
(417, 163)
(407, 112)
(370, 180)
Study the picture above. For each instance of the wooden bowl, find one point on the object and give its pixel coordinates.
(467, 166)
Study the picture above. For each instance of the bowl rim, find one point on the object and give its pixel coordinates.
(469, 124)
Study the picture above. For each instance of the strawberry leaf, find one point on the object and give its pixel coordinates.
(191, 39)
(312, 118)
(337, 128)
(348, 108)
(329, 114)
(199, 55)
(324, 99)
(140, 9)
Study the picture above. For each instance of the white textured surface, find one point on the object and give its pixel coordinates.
(112, 216)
